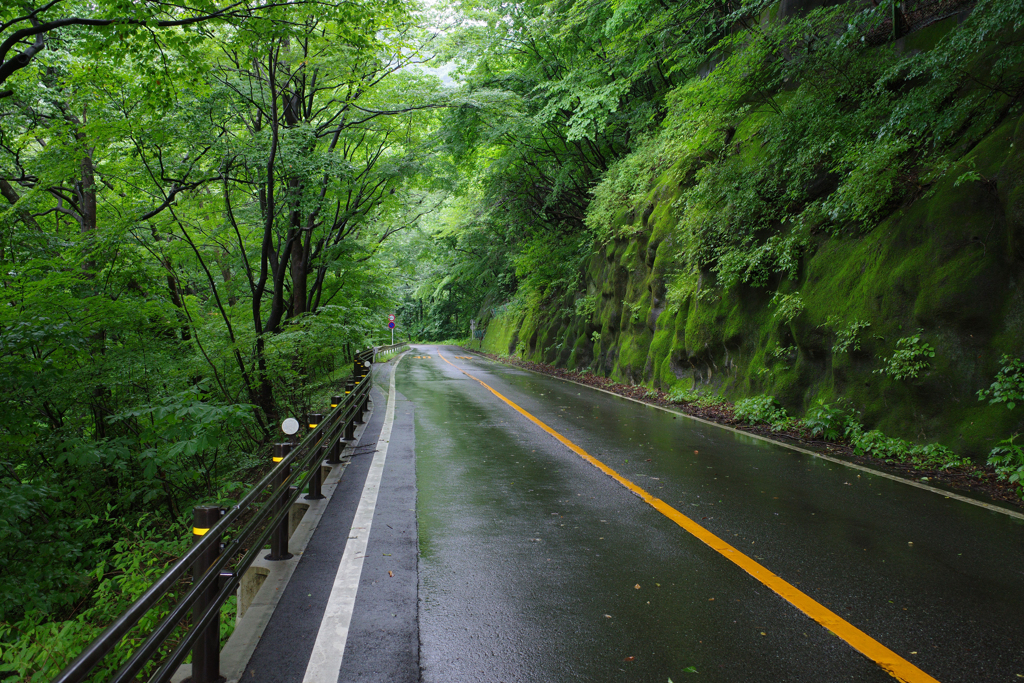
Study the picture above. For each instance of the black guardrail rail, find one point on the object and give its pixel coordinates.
(217, 569)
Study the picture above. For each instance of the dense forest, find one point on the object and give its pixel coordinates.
(203, 208)
(206, 207)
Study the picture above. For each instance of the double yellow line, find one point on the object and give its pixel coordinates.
(898, 667)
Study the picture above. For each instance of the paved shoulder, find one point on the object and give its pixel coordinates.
(284, 649)
(383, 641)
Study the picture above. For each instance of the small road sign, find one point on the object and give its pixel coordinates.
(391, 318)
(391, 325)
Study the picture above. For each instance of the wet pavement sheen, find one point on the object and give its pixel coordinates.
(535, 566)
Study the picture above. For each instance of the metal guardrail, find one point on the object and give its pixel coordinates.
(387, 349)
(215, 578)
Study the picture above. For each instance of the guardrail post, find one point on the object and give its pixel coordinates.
(334, 451)
(350, 429)
(357, 416)
(316, 477)
(314, 480)
(206, 650)
(279, 537)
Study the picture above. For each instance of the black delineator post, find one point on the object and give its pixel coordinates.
(364, 406)
(334, 450)
(206, 650)
(350, 429)
(315, 478)
(314, 420)
(279, 537)
(357, 416)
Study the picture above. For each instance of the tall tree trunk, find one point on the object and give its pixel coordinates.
(175, 292)
(86, 192)
(300, 255)
(225, 273)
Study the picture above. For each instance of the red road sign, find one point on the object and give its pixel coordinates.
(391, 318)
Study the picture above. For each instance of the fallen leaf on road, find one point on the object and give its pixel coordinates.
(629, 659)
(391, 575)
(637, 586)
(607, 616)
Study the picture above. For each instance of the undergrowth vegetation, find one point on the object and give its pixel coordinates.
(38, 647)
(831, 422)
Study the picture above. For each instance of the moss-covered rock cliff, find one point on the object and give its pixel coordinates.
(939, 271)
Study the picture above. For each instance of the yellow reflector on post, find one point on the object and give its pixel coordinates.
(199, 532)
(312, 426)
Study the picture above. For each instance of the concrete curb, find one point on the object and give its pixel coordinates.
(249, 628)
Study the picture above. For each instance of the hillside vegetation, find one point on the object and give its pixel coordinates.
(818, 214)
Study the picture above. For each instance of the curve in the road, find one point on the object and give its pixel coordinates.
(895, 665)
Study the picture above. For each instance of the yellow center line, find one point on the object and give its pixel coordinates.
(896, 666)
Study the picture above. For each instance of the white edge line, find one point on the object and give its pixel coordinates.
(238, 650)
(329, 649)
(862, 468)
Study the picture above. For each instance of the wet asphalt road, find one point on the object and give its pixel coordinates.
(535, 566)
